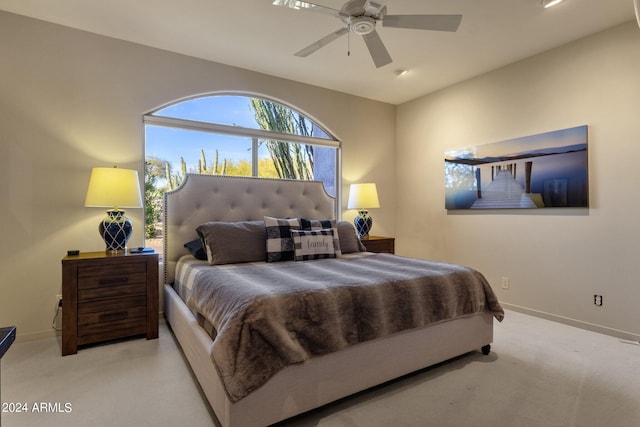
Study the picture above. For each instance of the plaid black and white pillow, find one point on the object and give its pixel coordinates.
(279, 242)
(313, 244)
(317, 224)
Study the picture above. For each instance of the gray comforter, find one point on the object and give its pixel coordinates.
(271, 315)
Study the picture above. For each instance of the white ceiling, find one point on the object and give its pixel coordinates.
(256, 35)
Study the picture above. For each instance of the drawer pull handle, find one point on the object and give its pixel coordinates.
(111, 281)
(107, 317)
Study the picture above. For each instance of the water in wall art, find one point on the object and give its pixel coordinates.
(547, 170)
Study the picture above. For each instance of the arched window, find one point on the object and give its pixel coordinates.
(231, 135)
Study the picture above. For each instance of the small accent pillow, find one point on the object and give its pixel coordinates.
(313, 244)
(317, 224)
(197, 249)
(279, 242)
(233, 242)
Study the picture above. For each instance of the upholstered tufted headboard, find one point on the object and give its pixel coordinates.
(204, 198)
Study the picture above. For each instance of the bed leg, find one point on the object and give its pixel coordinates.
(486, 349)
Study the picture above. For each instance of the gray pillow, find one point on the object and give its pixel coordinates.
(233, 242)
(349, 241)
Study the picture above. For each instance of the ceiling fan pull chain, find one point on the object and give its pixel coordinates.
(349, 41)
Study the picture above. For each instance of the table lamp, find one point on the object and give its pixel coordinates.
(362, 197)
(114, 188)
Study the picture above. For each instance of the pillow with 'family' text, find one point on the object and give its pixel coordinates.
(321, 224)
(313, 244)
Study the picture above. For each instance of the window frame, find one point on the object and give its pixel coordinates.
(256, 135)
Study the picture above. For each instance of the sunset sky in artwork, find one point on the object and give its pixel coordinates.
(559, 138)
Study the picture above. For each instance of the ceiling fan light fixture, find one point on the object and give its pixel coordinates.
(362, 25)
(550, 3)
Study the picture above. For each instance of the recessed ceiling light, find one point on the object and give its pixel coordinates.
(401, 72)
(550, 3)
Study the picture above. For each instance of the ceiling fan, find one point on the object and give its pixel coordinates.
(361, 17)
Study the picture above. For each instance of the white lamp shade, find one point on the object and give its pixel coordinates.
(114, 188)
(636, 5)
(363, 196)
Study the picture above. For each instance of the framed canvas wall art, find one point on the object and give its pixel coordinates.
(547, 170)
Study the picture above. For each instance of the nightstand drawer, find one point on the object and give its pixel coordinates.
(96, 282)
(111, 292)
(112, 310)
(109, 271)
(120, 279)
(111, 330)
(379, 244)
(117, 314)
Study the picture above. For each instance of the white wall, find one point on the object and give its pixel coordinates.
(556, 259)
(71, 100)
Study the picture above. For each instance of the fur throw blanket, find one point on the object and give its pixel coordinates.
(270, 315)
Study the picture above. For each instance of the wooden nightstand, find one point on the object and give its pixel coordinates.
(108, 296)
(380, 244)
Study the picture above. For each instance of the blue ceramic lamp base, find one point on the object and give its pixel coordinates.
(115, 229)
(363, 223)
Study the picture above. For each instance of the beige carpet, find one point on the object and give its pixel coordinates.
(539, 373)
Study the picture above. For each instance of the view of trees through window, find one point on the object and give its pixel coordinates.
(230, 135)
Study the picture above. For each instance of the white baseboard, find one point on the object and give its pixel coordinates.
(573, 322)
(36, 335)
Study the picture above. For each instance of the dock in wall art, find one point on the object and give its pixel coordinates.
(548, 170)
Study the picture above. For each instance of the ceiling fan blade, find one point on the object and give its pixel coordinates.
(322, 42)
(423, 22)
(378, 52)
(373, 7)
(304, 5)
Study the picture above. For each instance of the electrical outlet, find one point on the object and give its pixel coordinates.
(505, 283)
(597, 300)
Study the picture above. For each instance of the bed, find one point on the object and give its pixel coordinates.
(337, 369)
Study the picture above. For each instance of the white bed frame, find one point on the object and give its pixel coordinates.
(320, 380)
